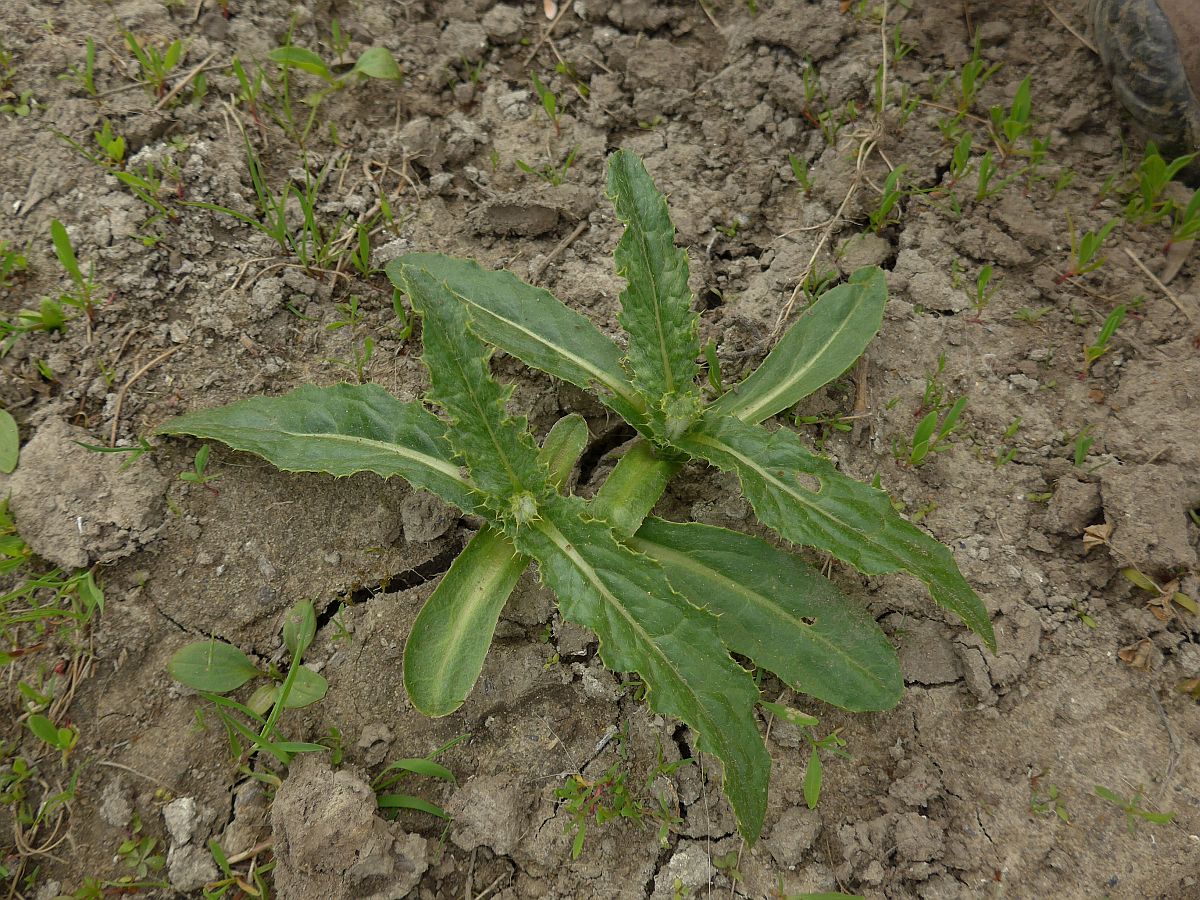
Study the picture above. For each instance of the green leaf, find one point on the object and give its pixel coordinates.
(307, 688)
(813, 777)
(339, 430)
(300, 58)
(420, 766)
(779, 612)
(563, 446)
(64, 251)
(10, 442)
(497, 448)
(645, 627)
(789, 715)
(212, 666)
(822, 344)
(403, 801)
(451, 635)
(635, 484)
(656, 305)
(450, 638)
(377, 62)
(533, 325)
(827, 510)
(44, 729)
(299, 627)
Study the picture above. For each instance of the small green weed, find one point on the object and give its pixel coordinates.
(1102, 343)
(13, 263)
(608, 797)
(1153, 175)
(800, 171)
(197, 474)
(424, 767)
(553, 175)
(893, 193)
(931, 434)
(1085, 249)
(1008, 127)
(85, 287)
(1132, 808)
(549, 102)
(156, 65)
(985, 289)
(1043, 802)
(213, 668)
(85, 75)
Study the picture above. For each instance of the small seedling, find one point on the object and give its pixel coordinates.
(1030, 315)
(1153, 176)
(137, 851)
(84, 76)
(1083, 444)
(156, 65)
(1103, 340)
(1008, 127)
(983, 293)
(988, 169)
(63, 739)
(661, 596)
(975, 74)
(425, 767)
(553, 175)
(549, 102)
(13, 262)
(881, 216)
(10, 443)
(213, 668)
(86, 288)
(197, 475)
(111, 145)
(1132, 808)
(1185, 224)
(1005, 455)
(1085, 250)
(800, 170)
(607, 798)
(931, 434)
(1042, 803)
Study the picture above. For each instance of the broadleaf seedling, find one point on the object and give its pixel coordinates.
(669, 601)
(1085, 249)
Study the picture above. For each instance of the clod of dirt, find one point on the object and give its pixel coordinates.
(689, 868)
(425, 517)
(1148, 505)
(926, 655)
(918, 839)
(491, 811)
(74, 507)
(503, 24)
(330, 844)
(1074, 506)
(793, 835)
(190, 867)
(180, 818)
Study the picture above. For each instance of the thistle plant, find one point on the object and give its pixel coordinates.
(668, 601)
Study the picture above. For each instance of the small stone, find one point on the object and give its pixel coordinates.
(503, 24)
(189, 868)
(180, 818)
(115, 808)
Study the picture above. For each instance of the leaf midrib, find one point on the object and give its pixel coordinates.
(550, 530)
(604, 378)
(756, 599)
(753, 413)
(440, 465)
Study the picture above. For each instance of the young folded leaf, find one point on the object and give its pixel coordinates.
(339, 430)
(832, 512)
(647, 628)
(656, 305)
(779, 612)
